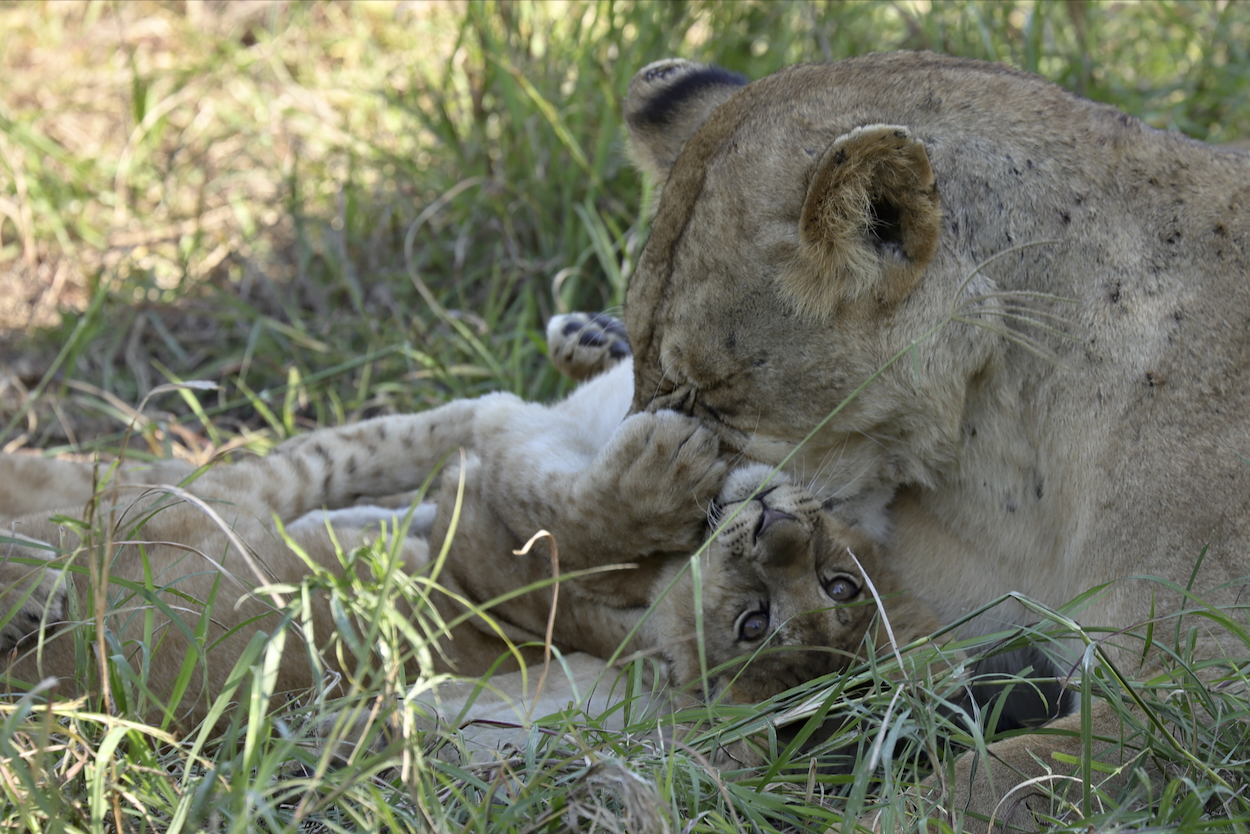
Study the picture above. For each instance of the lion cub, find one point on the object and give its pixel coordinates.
(779, 574)
(784, 577)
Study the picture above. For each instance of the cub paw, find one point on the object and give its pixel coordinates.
(582, 345)
(23, 609)
(666, 470)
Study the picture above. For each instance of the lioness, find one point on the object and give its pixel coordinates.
(1065, 291)
(783, 573)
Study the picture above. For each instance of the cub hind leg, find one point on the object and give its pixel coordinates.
(326, 468)
(173, 558)
(584, 345)
(29, 483)
(186, 546)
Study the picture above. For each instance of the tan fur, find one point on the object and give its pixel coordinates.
(189, 552)
(868, 172)
(784, 569)
(1078, 416)
(31, 483)
(584, 345)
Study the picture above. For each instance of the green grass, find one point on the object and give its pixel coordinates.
(341, 210)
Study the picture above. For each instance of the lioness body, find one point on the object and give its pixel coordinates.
(1082, 420)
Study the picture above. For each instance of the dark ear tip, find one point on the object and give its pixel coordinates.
(666, 69)
(660, 70)
(656, 74)
(661, 88)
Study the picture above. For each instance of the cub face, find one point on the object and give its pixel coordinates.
(783, 599)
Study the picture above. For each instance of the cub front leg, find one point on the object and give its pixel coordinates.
(650, 488)
(646, 491)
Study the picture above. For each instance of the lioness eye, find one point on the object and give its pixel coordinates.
(841, 588)
(753, 625)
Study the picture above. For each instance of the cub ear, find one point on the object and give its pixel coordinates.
(870, 222)
(666, 103)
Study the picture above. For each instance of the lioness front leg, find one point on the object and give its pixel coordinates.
(1029, 779)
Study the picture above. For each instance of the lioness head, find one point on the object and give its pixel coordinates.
(801, 242)
(783, 597)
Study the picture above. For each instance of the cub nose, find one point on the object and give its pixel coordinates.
(768, 518)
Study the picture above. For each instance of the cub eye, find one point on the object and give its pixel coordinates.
(841, 588)
(753, 626)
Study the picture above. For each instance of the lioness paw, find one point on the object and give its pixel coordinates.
(583, 345)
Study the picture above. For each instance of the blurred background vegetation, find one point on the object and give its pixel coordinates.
(335, 210)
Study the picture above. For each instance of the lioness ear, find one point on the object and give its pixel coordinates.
(666, 103)
(870, 222)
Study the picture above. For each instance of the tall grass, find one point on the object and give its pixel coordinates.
(338, 210)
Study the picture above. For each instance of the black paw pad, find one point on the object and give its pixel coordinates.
(592, 338)
(610, 324)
